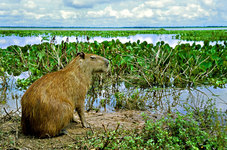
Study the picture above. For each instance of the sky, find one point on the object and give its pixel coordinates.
(113, 13)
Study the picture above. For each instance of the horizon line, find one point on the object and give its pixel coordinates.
(211, 26)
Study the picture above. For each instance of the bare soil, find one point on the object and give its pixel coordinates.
(11, 136)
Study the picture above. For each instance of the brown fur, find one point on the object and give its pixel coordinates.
(49, 103)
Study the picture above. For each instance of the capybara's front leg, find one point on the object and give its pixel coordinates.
(81, 114)
(75, 119)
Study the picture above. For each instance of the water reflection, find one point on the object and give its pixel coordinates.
(10, 95)
(20, 41)
(109, 98)
(150, 38)
(155, 99)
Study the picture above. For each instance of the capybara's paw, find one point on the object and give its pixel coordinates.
(63, 132)
(75, 119)
(85, 125)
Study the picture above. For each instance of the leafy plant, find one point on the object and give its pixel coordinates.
(139, 63)
(171, 132)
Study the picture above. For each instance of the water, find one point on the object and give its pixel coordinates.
(10, 99)
(107, 97)
(150, 38)
(165, 98)
(20, 41)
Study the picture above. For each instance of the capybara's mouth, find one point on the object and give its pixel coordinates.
(102, 70)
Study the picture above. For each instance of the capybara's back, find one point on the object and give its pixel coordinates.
(49, 103)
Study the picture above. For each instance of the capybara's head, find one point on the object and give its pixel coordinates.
(93, 63)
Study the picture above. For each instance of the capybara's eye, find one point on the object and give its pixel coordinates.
(93, 57)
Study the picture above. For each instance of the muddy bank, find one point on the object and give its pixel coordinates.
(12, 138)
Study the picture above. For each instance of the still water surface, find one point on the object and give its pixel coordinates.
(150, 38)
(156, 100)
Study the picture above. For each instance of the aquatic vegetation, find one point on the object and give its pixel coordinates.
(140, 64)
(189, 35)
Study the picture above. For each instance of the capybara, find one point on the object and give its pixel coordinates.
(49, 103)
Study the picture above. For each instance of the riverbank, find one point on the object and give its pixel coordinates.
(123, 129)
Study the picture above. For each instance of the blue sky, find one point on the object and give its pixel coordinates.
(113, 13)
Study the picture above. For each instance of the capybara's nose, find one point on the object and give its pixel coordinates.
(107, 62)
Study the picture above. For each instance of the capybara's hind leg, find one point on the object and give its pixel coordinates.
(25, 125)
(59, 117)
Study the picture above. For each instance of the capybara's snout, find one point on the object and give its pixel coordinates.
(107, 62)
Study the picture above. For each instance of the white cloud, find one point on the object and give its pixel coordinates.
(125, 13)
(113, 13)
(3, 12)
(2, 5)
(209, 2)
(146, 13)
(187, 12)
(68, 14)
(29, 4)
(142, 11)
(82, 2)
(79, 4)
(157, 3)
(109, 12)
(33, 15)
(15, 13)
(138, 12)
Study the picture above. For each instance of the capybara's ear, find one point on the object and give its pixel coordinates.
(82, 55)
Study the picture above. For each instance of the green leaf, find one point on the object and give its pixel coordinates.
(205, 65)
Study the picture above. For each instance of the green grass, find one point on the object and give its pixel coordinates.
(171, 132)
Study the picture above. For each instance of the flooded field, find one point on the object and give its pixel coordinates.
(112, 97)
(158, 86)
(150, 38)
